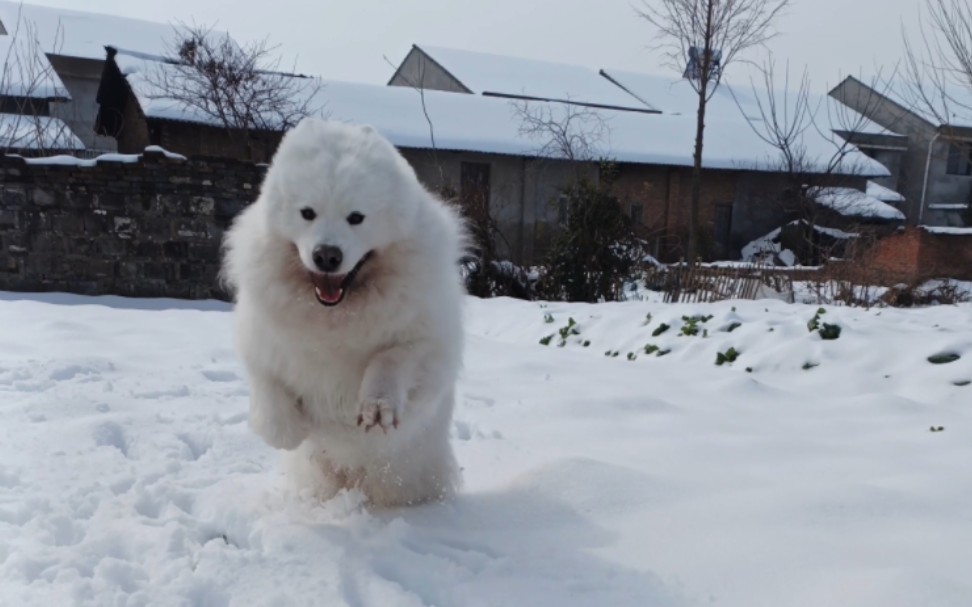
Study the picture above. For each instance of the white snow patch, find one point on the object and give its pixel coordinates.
(488, 73)
(24, 132)
(803, 467)
(855, 203)
(883, 193)
(948, 230)
(397, 112)
(25, 70)
(86, 34)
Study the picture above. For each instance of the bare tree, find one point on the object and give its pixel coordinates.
(703, 38)
(939, 64)
(816, 180)
(563, 131)
(240, 88)
(28, 83)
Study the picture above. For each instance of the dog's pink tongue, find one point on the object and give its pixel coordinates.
(329, 293)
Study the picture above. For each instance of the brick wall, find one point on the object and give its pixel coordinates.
(914, 254)
(150, 228)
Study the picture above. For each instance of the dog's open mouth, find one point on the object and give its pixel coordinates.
(330, 288)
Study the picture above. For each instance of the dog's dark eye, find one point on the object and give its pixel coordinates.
(355, 218)
(308, 213)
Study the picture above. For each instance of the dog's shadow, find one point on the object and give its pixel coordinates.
(510, 547)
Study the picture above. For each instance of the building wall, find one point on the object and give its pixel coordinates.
(440, 172)
(146, 229)
(418, 71)
(942, 188)
(82, 78)
(190, 139)
(916, 255)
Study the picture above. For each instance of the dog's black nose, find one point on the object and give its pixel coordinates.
(327, 258)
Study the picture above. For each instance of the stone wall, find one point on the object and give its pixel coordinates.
(150, 226)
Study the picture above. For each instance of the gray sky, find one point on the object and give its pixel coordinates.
(347, 39)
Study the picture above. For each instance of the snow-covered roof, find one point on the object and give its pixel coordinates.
(490, 74)
(85, 34)
(882, 193)
(25, 70)
(491, 125)
(769, 246)
(145, 73)
(36, 133)
(855, 203)
(673, 95)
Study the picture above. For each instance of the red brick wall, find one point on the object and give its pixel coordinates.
(664, 193)
(916, 254)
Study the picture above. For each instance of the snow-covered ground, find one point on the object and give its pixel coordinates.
(805, 473)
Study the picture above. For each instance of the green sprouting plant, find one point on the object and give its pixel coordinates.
(749, 369)
(691, 326)
(729, 356)
(944, 358)
(569, 329)
(732, 326)
(809, 365)
(586, 343)
(632, 356)
(664, 352)
(937, 428)
(548, 318)
(651, 349)
(826, 330)
(647, 320)
(612, 353)
(814, 322)
(545, 341)
(829, 331)
(660, 329)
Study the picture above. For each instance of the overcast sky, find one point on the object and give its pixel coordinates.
(348, 39)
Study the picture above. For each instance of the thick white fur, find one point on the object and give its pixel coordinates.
(393, 346)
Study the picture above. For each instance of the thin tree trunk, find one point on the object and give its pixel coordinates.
(696, 190)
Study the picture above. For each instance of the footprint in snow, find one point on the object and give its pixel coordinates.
(110, 434)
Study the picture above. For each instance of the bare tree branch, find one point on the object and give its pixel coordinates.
(563, 131)
(939, 64)
(701, 38)
(28, 83)
(240, 88)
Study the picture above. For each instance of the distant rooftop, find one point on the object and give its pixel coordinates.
(85, 34)
(505, 76)
(491, 125)
(26, 72)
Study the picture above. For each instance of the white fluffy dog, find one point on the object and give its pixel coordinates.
(348, 315)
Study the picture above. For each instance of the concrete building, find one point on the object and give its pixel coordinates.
(74, 45)
(931, 159)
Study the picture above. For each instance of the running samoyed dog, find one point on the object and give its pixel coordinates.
(348, 316)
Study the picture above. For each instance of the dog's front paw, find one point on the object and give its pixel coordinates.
(281, 428)
(378, 411)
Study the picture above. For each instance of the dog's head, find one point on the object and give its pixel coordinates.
(342, 195)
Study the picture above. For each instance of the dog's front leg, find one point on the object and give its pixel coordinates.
(276, 415)
(385, 386)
